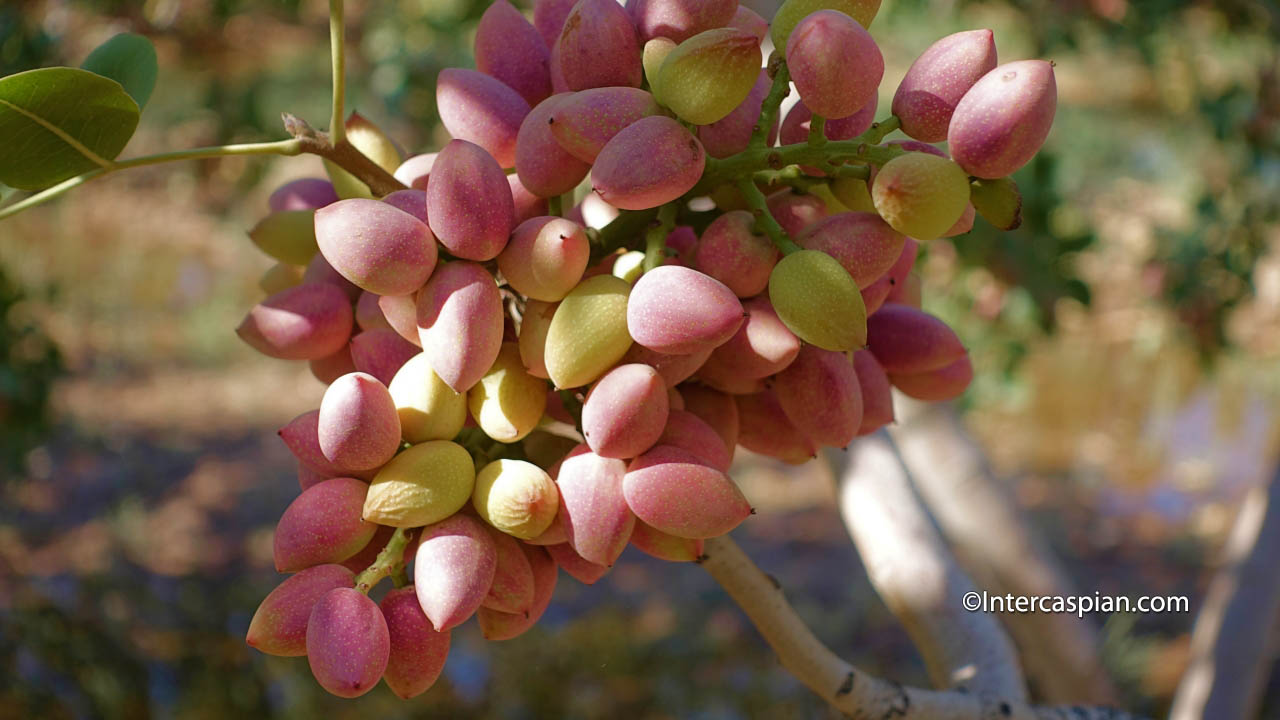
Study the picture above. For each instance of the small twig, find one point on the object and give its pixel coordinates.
(344, 154)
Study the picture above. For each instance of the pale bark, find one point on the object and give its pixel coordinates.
(983, 524)
(1232, 644)
(847, 689)
(917, 577)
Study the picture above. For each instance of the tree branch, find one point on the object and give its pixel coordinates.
(916, 575)
(847, 689)
(999, 550)
(1230, 646)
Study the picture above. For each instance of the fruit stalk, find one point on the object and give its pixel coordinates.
(390, 563)
(817, 124)
(655, 240)
(765, 219)
(621, 232)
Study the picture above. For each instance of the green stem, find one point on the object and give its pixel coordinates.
(655, 240)
(338, 51)
(621, 232)
(862, 172)
(881, 129)
(400, 577)
(281, 147)
(555, 205)
(790, 176)
(764, 218)
(817, 127)
(769, 109)
(390, 562)
(861, 149)
(572, 405)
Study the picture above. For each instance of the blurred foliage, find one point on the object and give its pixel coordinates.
(1216, 69)
(29, 365)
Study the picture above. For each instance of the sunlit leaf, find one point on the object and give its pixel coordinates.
(129, 60)
(59, 122)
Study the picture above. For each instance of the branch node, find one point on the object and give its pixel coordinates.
(846, 687)
(297, 127)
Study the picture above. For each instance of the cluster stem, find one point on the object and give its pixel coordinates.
(390, 563)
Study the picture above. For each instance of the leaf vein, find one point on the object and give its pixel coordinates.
(62, 135)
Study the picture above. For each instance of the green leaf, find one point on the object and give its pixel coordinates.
(59, 122)
(129, 60)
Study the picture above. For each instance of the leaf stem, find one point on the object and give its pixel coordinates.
(338, 51)
(390, 562)
(280, 147)
(764, 218)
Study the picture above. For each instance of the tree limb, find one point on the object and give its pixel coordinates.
(1230, 645)
(999, 550)
(847, 689)
(917, 577)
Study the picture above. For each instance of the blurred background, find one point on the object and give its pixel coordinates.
(1126, 340)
